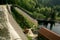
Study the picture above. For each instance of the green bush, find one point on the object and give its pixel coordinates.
(21, 20)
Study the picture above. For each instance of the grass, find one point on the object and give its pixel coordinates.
(23, 19)
(26, 16)
(29, 38)
(58, 18)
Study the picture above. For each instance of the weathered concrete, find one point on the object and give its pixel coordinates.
(13, 27)
(17, 27)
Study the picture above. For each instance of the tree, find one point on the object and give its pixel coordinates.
(46, 11)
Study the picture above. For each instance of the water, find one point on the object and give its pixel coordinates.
(55, 28)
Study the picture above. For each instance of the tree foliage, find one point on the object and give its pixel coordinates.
(37, 7)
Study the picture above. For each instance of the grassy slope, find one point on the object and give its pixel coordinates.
(27, 17)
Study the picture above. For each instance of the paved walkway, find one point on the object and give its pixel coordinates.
(14, 29)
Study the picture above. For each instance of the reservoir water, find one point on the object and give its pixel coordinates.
(55, 28)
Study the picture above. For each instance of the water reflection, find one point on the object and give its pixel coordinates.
(45, 24)
(55, 27)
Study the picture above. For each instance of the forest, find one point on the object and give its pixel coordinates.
(40, 9)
